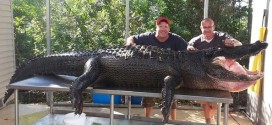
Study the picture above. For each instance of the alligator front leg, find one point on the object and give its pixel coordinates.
(168, 92)
(81, 83)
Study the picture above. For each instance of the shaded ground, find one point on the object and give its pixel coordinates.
(30, 113)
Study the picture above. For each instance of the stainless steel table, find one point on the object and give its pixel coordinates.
(43, 83)
(62, 83)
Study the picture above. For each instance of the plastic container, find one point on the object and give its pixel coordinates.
(72, 119)
(105, 98)
(136, 100)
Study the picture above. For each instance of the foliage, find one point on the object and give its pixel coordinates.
(91, 24)
(86, 24)
(29, 29)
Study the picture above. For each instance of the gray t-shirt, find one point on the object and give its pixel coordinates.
(217, 42)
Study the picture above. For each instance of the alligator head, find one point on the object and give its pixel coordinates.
(219, 70)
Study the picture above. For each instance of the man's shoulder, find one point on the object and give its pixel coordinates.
(174, 35)
(196, 38)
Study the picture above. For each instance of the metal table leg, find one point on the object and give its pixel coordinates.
(51, 101)
(219, 113)
(111, 109)
(16, 107)
(129, 108)
(226, 110)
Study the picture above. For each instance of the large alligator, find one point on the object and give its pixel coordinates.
(148, 66)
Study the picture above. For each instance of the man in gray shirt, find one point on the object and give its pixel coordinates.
(208, 39)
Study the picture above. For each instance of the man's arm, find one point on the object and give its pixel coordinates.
(179, 43)
(231, 42)
(190, 46)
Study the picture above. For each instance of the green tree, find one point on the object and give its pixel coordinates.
(87, 24)
(29, 29)
(91, 24)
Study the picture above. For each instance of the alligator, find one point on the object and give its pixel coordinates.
(147, 66)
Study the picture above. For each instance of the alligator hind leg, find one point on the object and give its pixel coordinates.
(82, 82)
(168, 92)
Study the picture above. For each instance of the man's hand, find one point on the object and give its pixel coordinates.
(232, 42)
(191, 48)
(130, 41)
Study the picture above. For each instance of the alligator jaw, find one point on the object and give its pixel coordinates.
(223, 66)
(231, 76)
(239, 52)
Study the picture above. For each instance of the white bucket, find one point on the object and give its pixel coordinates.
(72, 119)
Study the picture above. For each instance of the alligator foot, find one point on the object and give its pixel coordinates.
(165, 113)
(167, 96)
(77, 102)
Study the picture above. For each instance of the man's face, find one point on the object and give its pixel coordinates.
(207, 27)
(162, 30)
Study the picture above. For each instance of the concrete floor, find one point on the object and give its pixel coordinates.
(31, 113)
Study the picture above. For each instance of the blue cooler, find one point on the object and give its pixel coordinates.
(105, 98)
(136, 100)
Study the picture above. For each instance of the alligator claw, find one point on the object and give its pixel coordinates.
(77, 102)
(165, 113)
(79, 108)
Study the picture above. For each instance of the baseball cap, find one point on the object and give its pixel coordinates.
(162, 19)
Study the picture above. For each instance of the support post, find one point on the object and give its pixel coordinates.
(111, 109)
(16, 107)
(127, 19)
(206, 8)
(49, 95)
(219, 113)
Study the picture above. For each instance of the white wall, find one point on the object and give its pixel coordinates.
(7, 56)
(260, 104)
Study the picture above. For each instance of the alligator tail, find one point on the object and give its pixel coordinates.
(63, 64)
